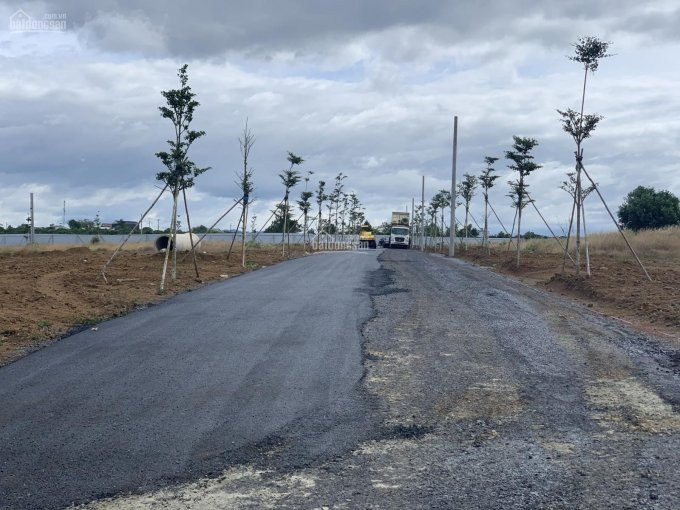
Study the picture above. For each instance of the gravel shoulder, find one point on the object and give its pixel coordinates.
(484, 393)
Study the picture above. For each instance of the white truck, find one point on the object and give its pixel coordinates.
(399, 232)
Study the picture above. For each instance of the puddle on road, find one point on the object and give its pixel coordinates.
(627, 404)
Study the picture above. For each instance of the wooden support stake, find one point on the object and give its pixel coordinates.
(266, 222)
(234, 236)
(512, 232)
(585, 236)
(103, 273)
(213, 226)
(644, 270)
(499, 221)
(571, 222)
(191, 235)
(173, 228)
(550, 229)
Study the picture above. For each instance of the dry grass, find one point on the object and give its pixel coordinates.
(651, 244)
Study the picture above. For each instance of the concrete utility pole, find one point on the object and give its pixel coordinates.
(452, 229)
(422, 216)
(413, 216)
(63, 218)
(31, 239)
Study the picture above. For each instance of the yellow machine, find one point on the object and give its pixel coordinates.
(366, 236)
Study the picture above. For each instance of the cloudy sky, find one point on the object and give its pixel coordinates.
(367, 88)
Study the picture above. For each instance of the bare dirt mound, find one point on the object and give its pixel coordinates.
(616, 287)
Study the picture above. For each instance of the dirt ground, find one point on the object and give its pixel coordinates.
(45, 294)
(616, 288)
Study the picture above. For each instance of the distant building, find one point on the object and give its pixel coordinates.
(124, 224)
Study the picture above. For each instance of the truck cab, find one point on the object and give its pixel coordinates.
(399, 237)
(399, 232)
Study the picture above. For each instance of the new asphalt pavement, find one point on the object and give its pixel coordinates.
(181, 389)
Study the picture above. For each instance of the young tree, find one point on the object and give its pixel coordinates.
(354, 213)
(307, 176)
(304, 204)
(522, 162)
(330, 228)
(432, 211)
(419, 221)
(486, 180)
(466, 190)
(180, 172)
(588, 51)
(245, 183)
(289, 178)
(343, 215)
(444, 199)
(321, 197)
(336, 197)
(570, 186)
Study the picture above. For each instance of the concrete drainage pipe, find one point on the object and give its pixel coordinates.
(183, 242)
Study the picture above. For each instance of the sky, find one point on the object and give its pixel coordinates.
(368, 88)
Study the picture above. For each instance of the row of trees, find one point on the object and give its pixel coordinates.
(328, 211)
(521, 160)
(345, 212)
(659, 209)
(84, 226)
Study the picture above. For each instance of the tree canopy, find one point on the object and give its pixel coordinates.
(646, 208)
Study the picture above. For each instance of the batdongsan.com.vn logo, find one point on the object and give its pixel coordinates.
(49, 22)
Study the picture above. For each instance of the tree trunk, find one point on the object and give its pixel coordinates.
(578, 219)
(519, 228)
(161, 287)
(318, 230)
(467, 211)
(328, 237)
(485, 241)
(585, 239)
(441, 218)
(287, 234)
(578, 198)
(337, 210)
(304, 234)
(285, 225)
(174, 237)
(244, 212)
(566, 245)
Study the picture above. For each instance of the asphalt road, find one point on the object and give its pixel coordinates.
(415, 381)
(182, 389)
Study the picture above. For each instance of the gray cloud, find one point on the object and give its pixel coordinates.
(266, 27)
(365, 88)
